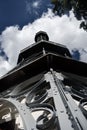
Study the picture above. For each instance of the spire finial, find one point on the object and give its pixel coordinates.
(41, 35)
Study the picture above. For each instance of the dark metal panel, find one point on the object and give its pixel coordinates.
(22, 73)
(69, 65)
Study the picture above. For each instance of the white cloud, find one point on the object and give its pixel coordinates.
(62, 30)
(31, 7)
(36, 4)
(4, 66)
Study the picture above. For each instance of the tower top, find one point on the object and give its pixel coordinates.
(41, 35)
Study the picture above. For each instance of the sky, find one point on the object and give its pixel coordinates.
(20, 20)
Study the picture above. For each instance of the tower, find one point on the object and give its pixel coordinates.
(42, 91)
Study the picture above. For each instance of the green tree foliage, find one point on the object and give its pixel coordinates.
(79, 8)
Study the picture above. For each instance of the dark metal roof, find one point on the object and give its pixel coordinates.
(42, 65)
(38, 47)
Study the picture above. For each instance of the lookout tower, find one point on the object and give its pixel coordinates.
(42, 91)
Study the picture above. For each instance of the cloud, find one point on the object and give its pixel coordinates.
(33, 7)
(4, 66)
(36, 4)
(62, 30)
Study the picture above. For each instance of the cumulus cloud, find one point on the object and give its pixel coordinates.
(62, 30)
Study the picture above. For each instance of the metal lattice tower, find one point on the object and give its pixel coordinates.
(47, 90)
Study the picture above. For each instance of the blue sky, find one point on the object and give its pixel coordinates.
(21, 12)
(20, 20)
(11, 13)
